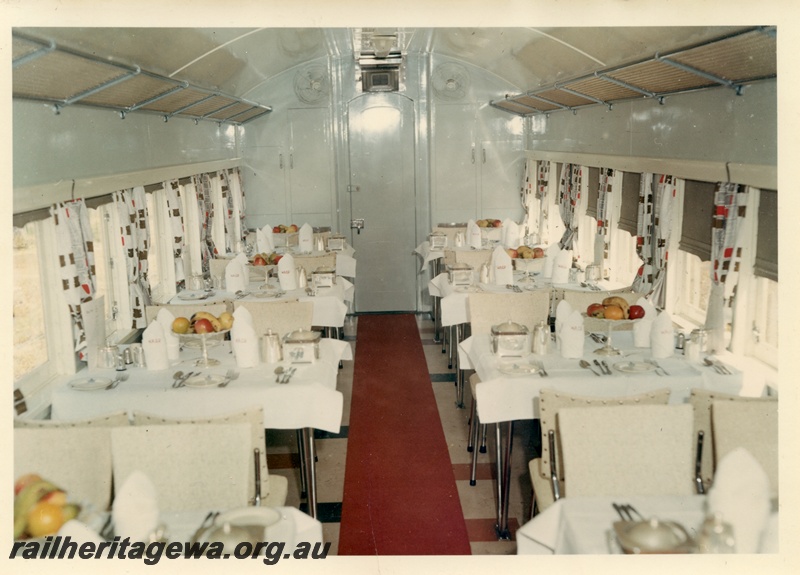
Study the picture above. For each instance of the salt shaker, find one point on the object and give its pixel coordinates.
(484, 274)
(716, 536)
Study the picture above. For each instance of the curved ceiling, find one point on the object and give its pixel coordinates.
(235, 61)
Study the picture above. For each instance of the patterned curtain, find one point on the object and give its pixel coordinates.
(531, 203)
(542, 187)
(205, 209)
(75, 246)
(604, 211)
(232, 188)
(132, 208)
(173, 189)
(730, 209)
(653, 231)
(568, 195)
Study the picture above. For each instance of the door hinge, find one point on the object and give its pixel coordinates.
(353, 188)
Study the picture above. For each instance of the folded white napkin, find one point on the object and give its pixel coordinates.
(563, 311)
(242, 315)
(154, 345)
(643, 328)
(242, 259)
(305, 239)
(740, 495)
(662, 336)
(79, 532)
(551, 253)
(235, 279)
(474, 237)
(502, 267)
(561, 267)
(135, 510)
(287, 274)
(511, 234)
(165, 318)
(571, 337)
(264, 242)
(245, 344)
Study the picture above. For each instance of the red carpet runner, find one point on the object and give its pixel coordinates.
(400, 495)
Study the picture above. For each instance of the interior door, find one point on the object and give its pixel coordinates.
(382, 194)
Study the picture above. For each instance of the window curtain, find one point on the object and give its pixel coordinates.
(604, 212)
(656, 198)
(730, 210)
(568, 195)
(532, 202)
(74, 242)
(233, 191)
(173, 189)
(542, 187)
(205, 210)
(132, 209)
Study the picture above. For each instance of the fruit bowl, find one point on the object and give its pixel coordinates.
(608, 326)
(203, 341)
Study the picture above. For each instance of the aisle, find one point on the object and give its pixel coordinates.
(400, 495)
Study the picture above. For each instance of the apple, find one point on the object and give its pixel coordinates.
(538, 253)
(24, 481)
(497, 224)
(512, 253)
(276, 230)
(259, 261)
(635, 312)
(57, 497)
(226, 320)
(596, 310)
(291, 229)
(482, 224)
(180, 325)
(276, 259)
(613, 312)
(203, 326)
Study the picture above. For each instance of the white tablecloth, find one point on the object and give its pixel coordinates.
(310, 400)
(511, 397)
(582, 525)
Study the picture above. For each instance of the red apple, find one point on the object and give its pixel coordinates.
(276, 259)
(497, 223)
(25, 480)
(538, 253)
(276, 230)
(596, 310)
(203, 326)
(512, 253)
(259, 261)
(635, 312)
(57, 497)
(292, 228)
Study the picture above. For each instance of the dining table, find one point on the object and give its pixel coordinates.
(308, 401)
(509, 388)
(585, 525)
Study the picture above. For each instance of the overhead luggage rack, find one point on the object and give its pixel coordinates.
(46, 72)
(732, 61)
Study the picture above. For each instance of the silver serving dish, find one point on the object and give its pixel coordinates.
(323, 278)
(287, 240)
(302, 346)
(336, 243)
(437, 240)
(460, 274)
(653, 536)
(511, 339)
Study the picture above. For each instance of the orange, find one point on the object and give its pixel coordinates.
(614, 312)
(45, 519)
(180, 325)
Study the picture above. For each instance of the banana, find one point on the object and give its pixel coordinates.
(215, 323)
(26, 499)
(618, 301)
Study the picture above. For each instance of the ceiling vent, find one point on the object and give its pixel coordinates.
(380, 60)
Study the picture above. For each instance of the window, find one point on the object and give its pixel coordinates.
(625, 263)
(30, 341)
(694, 286)
(765, 322)
(103, 279)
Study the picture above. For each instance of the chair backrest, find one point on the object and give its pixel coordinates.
(311, 263)
(254, 417)
(475, 258)
(627, 450)
(77, 459)
(551, 401)
(752, 425)
(184, 310)
(192, 466)
(281, 317)
(489, 308)
(117, 419)
(701, 400)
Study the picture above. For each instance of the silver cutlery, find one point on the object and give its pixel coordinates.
(116, 381)
(512, 287)
(278, 374)
(240, 294)
(542, 372)
(175, 377)
(180, 382)
(604, 369)
(586, 365)
(229, 377)
(658, 367)
(598, 338)
(627, 511)
(207, 522)
(287, 376)
(720, 368)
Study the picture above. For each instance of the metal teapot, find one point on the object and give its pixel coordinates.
(271, 350)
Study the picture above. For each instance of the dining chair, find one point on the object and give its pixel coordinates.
(77, 459)
(119, 418)
(184, 310)
(192, 466)
(486, 309)
(272, 488)
(547, 471)
(752, 425)
(704, 448)
(281, 317)
(626, 450)
(311, 263)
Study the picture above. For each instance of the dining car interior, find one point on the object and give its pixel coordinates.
(296, 292)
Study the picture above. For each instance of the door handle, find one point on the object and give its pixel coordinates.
(291, 161)
(280, 161)
(357, 224)
(473, 155)
(483, 151)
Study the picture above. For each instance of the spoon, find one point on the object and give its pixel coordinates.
(176, 376)
(229, 377)
(116, 382)
(278, 373)
(587, 365)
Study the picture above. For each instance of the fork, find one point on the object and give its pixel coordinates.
(626, 511)
(655, 364)
(117, 380)
(180, 382)
(230, 376)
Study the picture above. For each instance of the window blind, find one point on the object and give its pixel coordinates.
(698, 218)
(629, 208)
(766, 264)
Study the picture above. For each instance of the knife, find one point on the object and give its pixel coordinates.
(600, 365)
(605, 366)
